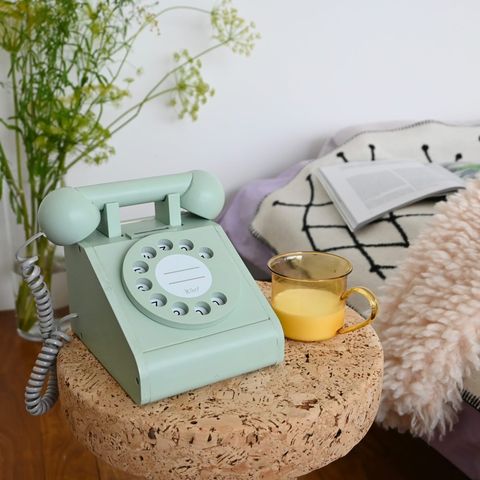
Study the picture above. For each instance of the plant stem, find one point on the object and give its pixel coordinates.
(149, 97)
(6, 170)
(183, 7)
(138, 106)
(129, 41)
(18, 151)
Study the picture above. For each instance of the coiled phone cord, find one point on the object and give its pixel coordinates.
(36, 402)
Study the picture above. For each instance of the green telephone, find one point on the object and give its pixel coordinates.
(164, 303)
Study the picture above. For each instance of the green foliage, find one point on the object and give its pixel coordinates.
(67, 59)
(232, 29)
(229, 29)
(191, 90)
(67, 63)
(63, 70)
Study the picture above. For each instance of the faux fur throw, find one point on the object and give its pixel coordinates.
(430, 320)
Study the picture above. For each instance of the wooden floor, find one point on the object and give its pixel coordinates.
(43, 448)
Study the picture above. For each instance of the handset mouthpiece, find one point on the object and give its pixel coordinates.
(67, 217)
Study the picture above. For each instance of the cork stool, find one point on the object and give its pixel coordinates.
(280, 422)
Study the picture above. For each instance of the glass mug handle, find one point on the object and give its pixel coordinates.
(372, 300)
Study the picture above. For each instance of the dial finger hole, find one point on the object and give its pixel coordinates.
(179, 309)
(148, 252)
(185, 245)
(219, 299)
(158, 300)
(165, 245)
(140, 267)
(205, 253)
(144, 285)
(202, 308)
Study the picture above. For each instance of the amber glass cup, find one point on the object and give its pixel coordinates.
(309, 292)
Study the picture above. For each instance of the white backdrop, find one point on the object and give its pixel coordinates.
(320, 66)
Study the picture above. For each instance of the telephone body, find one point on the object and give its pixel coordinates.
(164, 303)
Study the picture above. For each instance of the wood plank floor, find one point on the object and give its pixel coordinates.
(44, 449)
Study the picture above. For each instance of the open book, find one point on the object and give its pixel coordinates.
(365, 191)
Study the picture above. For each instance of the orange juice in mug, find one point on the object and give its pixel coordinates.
(309, 291)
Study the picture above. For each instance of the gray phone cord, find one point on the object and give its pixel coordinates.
(53, 338)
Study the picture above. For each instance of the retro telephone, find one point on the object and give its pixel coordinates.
(164, 303)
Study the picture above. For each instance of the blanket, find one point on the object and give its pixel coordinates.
(430, 322)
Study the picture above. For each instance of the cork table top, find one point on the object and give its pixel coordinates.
(279, 422)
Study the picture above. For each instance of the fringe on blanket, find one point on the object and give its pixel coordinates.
(430, 320)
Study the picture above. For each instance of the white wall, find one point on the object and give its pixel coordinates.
(320, 66)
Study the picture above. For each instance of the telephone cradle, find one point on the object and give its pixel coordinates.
(164, 303)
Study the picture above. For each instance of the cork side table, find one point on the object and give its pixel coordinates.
(280, 422)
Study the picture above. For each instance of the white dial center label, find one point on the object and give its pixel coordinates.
(183, 276)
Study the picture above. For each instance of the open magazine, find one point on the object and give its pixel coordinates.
(365, 191)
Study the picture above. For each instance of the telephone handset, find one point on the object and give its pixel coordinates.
(164, 303)
(69, 215)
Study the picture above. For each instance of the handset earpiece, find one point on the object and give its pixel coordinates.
(67, 217)
(205, 196)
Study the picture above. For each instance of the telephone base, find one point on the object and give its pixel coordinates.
(167, 309)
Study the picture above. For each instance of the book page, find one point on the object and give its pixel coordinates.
(364, 191)
(385, 186)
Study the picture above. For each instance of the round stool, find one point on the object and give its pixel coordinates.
(280, 422)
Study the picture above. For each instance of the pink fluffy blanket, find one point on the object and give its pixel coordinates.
(430, 320)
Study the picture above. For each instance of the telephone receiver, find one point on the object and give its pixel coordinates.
(69, 214)
(164, 303)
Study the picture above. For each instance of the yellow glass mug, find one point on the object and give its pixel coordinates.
(309, 291)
